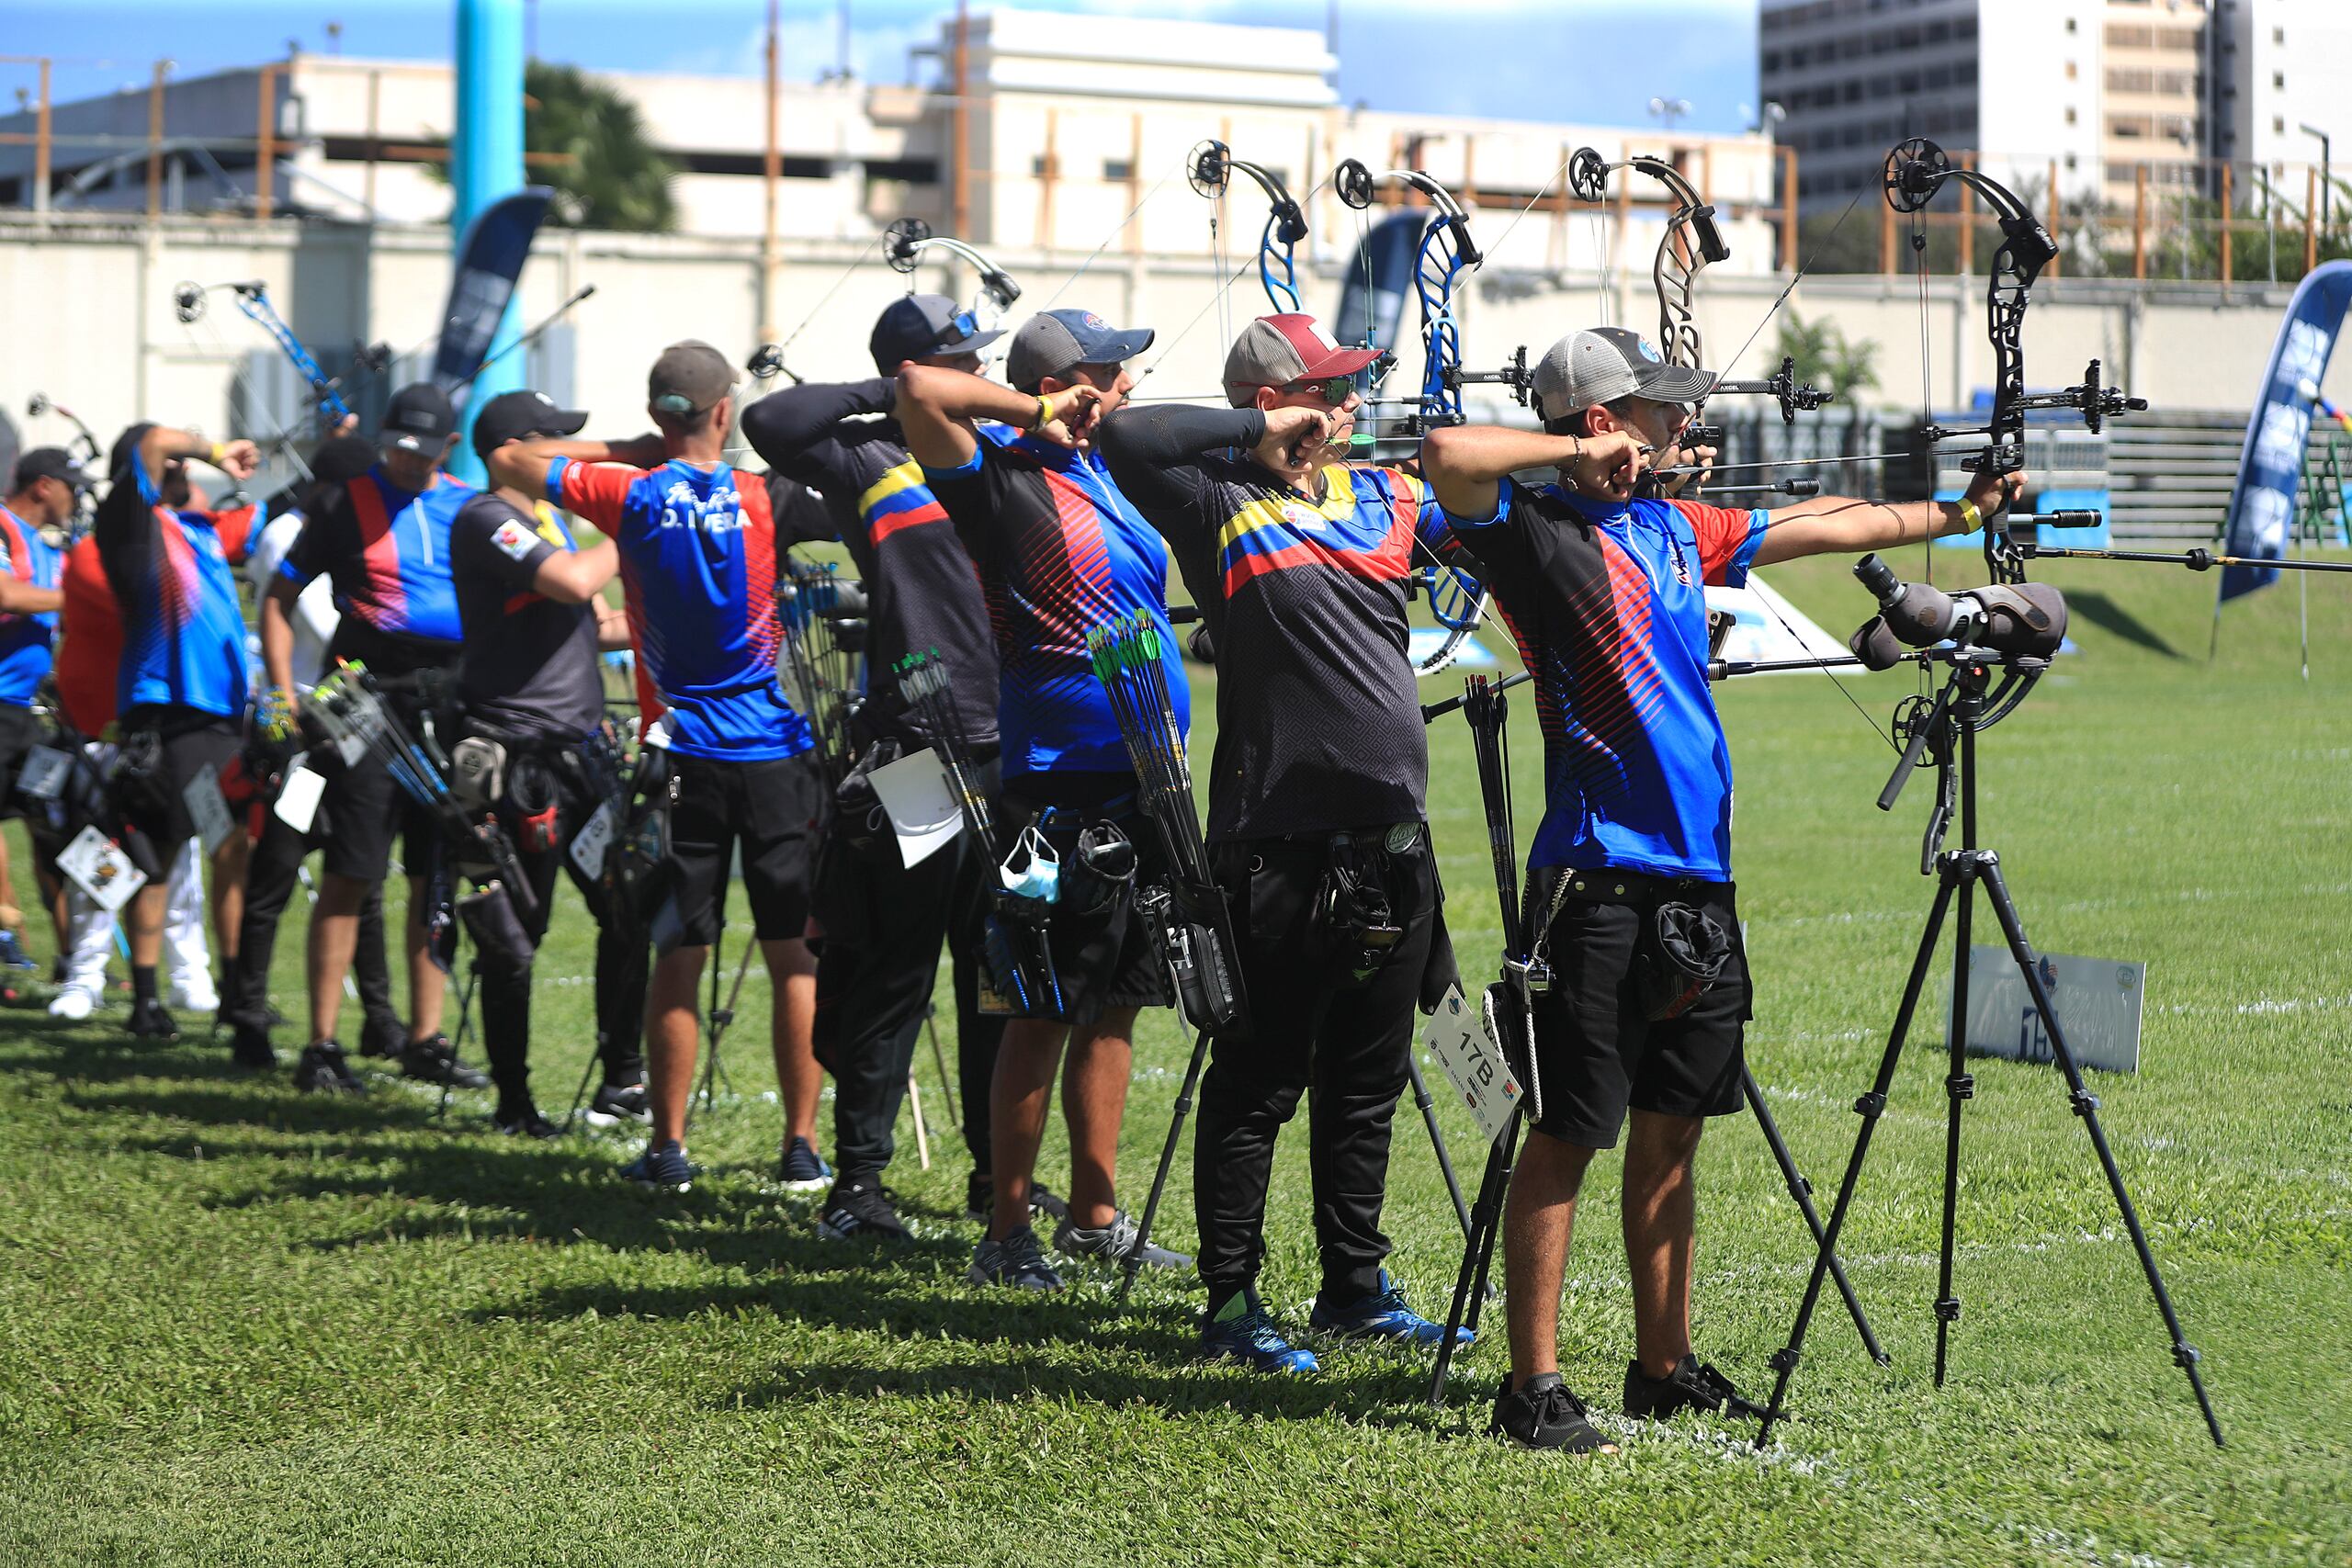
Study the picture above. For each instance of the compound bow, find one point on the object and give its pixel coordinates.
(1690, 243)
(1210, 171)
(904, 245)
(188, 301)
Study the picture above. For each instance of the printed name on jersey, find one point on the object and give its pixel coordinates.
(722, 511)
(515, 541)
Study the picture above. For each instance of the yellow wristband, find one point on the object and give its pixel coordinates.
(212, 454)
(1044, 411)
(1970, 515)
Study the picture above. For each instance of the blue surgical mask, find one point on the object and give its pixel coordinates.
(1033, 870)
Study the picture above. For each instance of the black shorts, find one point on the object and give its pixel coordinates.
(190, 740)
(19, 733)
(363, 809)
(769, 809)
(1105, 959)
(1597, 1048)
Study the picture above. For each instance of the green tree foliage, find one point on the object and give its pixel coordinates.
(1825, 356)
(614, 178)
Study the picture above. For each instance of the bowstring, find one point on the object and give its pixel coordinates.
(1216, 256)
(281, 438)
(1115, 230)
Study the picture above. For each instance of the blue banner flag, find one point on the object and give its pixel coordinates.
(496, 245)
(1372, 297)
(2262, 506)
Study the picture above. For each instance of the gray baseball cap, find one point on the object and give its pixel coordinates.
(690, 378)
(1604, 363)
(1053, 342)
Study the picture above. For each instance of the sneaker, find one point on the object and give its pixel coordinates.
(73, 1003)
(1244, 1331)
(1017, 1260)
(1381, 1315)
(383, 1036)
(1542, 1413)
(323, 1069)
(193, 992)
(12, 952)
(859, 1209)
(1114, 1242)
(148, 1021)
(617, 1103)
(979, 1199)
(661, 1169)
(435, 1061)
(1692, 1385)
(525, 1122)
(249, 1048)
(802, 1169)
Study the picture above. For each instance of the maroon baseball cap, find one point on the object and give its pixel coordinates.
(1275, 351)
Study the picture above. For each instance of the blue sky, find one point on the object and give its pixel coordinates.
(1590, 62)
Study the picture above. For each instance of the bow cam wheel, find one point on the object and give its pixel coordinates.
(1587, 175)
(1913, 169)
(900, 242)
(1210, 169)
(1351, 182)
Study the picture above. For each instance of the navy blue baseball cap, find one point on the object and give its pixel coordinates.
(1053, 342)
(917, 326)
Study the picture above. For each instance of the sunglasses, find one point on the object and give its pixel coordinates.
(963, 324)
(1333, 390)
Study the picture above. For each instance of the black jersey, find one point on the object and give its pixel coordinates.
(528, 669)
(1318, 718)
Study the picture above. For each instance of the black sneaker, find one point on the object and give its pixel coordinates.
(662, 1169)
(859, 1209)
(1542, 1413)
(979, 1199)
(1692, 1385)
(525, 1122)
(435, 1061)
(323, 1069)
(617, 1103)
(1017, 1261)
(383, 1036)
(148, 1021)
(249, 1048)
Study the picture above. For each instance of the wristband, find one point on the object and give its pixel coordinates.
(1970, 515)
(1044, 414)
(212, 453)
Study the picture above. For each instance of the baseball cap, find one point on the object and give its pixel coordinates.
(515, 416)
(1274, 351)
(1052, 343)
(689, 378)
(921, 324)
(50, 463)
(1604, 363)
(420, 420)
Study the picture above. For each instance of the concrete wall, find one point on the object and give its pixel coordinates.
(86, 317)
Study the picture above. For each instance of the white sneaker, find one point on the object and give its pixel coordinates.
(194, 992)
(73, 1003)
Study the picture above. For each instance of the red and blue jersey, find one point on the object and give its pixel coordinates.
(387, 551)
(698, 572)
(1060, 551)
(1608, 604)
(183, 628)
(25, 654)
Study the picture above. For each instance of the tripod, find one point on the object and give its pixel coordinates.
(720, 1018)
(1968, 702)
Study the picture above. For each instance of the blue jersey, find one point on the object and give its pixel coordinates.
(387, 551)
(25, 654)
(698, 571)
(183, 628)
(1060, 551)
(1608, 603)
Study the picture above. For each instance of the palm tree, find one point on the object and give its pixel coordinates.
(1825, 358)
(612, 177)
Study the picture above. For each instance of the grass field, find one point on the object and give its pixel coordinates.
(238, 1326)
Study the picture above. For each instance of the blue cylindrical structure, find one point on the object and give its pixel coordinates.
(485, 164)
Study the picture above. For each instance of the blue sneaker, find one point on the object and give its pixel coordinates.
(1242, 1331)
(802, 1169)
(663, 1168)
(12, 952)
(1381, 1315)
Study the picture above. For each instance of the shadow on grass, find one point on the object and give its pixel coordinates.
(2111, 617)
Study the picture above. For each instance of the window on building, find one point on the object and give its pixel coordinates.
(2070, 114)
(2278, 125)
(1118, 169)
(2070, 24)
(2278, 79)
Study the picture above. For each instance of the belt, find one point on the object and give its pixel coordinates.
(1612, 886)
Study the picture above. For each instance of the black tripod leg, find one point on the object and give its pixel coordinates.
(2086, 1105)
(1437, 1141)
(1167, 1158)
(1477, 1255)
(465, 1026)
(581, 1094)
(1802, 1190)
(1959, 1088)
(1869, 1108)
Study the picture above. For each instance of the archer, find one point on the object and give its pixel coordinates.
(1605, 592)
